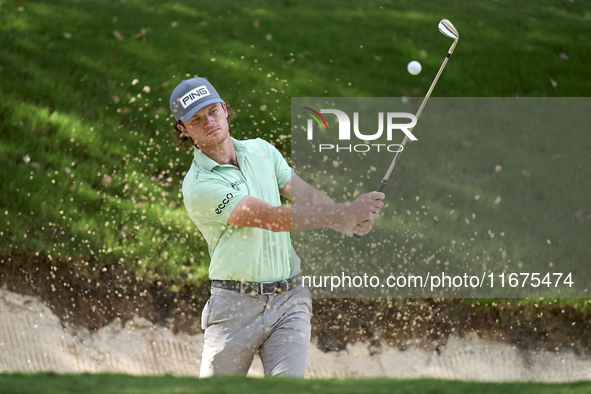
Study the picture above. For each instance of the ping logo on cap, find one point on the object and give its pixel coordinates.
(193, 95)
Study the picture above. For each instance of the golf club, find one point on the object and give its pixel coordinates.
(448, 30)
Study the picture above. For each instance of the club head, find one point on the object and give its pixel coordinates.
(448, 29)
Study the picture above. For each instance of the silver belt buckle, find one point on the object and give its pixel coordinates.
(262, 289)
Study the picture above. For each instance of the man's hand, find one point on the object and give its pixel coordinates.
(367, 206)
(366, 210)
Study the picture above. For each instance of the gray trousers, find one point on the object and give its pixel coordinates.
(239, 325)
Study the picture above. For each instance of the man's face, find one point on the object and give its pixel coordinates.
(208, 127)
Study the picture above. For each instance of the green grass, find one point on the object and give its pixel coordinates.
(88, 170)
(109, 383)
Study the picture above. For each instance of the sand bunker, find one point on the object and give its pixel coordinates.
(32, 338)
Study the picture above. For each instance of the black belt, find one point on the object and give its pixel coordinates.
(259, 288)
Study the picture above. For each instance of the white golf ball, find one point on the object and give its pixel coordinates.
(414, 67)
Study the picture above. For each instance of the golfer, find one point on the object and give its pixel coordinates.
(233, 194)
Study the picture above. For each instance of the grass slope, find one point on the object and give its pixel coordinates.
(88, 171)
(109, 383)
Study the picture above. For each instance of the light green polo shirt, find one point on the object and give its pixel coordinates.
(211, 192)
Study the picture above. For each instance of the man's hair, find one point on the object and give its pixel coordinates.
(185, 142)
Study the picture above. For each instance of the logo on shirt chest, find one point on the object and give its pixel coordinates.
(236, 183)
(224, 203)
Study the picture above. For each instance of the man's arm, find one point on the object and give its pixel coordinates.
(346, 218)
(301, 193)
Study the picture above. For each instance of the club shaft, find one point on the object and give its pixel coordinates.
(384, 180)
(419, 112)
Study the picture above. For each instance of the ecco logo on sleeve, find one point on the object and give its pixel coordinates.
(224, 203)
(194, 95)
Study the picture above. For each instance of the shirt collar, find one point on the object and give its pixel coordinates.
(208, 164)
